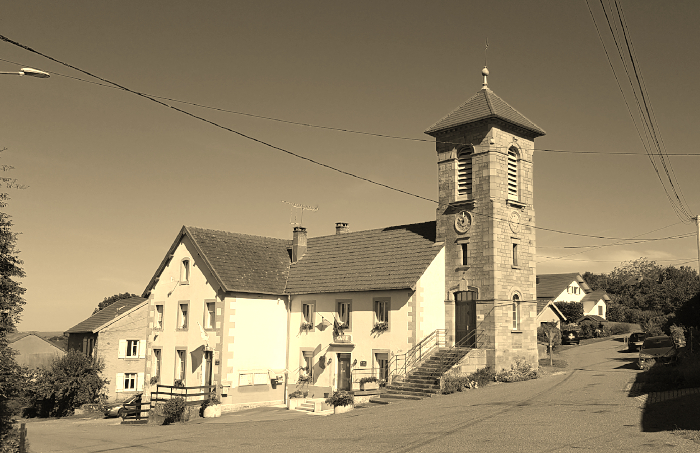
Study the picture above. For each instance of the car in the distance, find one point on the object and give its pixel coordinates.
(122, 408)
(661, 349)
(570, 337)
(635, 341)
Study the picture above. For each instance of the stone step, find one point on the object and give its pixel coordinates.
(397, 396)
(409, 392)
(416, 385)
(309, 407)
(408, 388)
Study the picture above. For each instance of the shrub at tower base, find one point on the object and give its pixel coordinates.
(70, 382)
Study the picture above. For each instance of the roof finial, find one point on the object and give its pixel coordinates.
(485, 71)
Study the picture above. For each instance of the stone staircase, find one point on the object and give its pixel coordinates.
(424, 380)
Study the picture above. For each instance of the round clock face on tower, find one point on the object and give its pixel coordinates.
(463, 222)
(514, 220)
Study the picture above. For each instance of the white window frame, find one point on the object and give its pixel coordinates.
(308, 313)
(132, 349)
(157, 363)
(382, 307)
(516, 312)
(209, 315)
(182, 315)
(185, 269)
(180, 364)
(344, 310)
(130, 382)
(159, 317)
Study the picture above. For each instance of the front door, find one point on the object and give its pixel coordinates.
(206, 368)
(344, 377)
(465, 318)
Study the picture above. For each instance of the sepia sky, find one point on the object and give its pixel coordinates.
(113, 177)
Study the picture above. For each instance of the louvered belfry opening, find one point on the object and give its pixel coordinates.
(464, 172)
(512, 174)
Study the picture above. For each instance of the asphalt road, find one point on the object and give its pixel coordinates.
(585, 408)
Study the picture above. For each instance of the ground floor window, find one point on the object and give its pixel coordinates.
(129, 381)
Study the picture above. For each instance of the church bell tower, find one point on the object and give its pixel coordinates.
(486, 219)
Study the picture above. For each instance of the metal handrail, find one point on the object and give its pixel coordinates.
(402, 364)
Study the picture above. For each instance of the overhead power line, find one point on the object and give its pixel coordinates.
(157, 101)
(340, 129)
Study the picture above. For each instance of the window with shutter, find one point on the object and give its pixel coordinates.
(119, 382)
(122, 349)
(464, 173)
(512, 175)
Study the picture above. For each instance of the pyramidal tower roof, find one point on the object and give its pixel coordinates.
(484, 104)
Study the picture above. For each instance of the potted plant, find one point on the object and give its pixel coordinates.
(306, 326)
(341, 401)
(296, 398)
(211, 407)
(380, 327)
(371, 380)
(304, 375)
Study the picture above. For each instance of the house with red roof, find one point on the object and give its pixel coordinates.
(116, 335)
(258, 316)
(571, 287)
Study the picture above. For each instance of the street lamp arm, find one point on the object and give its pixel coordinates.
(29, 72)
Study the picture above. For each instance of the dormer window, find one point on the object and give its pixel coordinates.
(185, 271)
(464, 173)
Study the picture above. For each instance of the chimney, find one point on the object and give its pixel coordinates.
(341, 228)
(298, 243)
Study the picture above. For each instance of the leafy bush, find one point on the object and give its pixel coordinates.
(70, 382)
(173, 409)
(519, 371)
(617, 328)
(299, 394)
(341, 398)
(457, 382)
(678, 334)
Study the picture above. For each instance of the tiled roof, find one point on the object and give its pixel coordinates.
(107, 314)
(541, 304)
(484, 104)
(591, 318)
(243, 262)
(16, 336)
(388, 258)
(549, 286)
(595, 296)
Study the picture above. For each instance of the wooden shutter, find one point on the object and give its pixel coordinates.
(120, 382)
(139, 382)
(512, 175)
(142, 349)
(464, 173)
(122, 349)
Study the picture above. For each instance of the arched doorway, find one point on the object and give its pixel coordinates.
(465, 318)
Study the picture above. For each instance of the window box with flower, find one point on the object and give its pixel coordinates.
(380, 327)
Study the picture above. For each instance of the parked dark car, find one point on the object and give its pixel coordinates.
(123, 408)
(635, 341)
(661, 349)
(570, 337)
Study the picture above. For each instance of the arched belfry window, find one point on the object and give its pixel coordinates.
(464, 172)
(516, 312)
(513, 174)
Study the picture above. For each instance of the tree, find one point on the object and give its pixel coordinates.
(71, 381)
(110, 300)
(11, 306)
(572, 310)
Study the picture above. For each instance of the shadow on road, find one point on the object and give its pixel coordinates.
(669, 415)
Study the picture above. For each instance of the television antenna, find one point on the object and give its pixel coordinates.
(301, 208)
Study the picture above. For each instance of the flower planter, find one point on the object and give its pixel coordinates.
(212, 411)
(342, 409)
(293, 403)
(369, 386)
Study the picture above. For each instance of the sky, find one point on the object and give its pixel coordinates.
(112, 176)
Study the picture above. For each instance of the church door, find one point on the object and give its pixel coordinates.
(465, 318)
